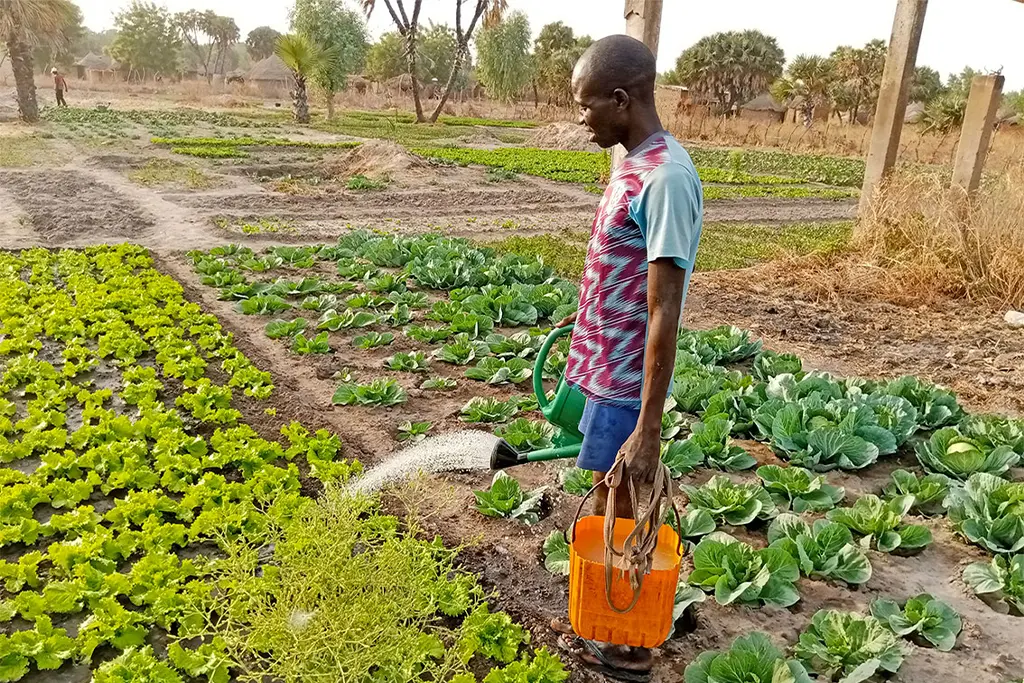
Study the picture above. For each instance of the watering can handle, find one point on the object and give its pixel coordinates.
(542, 358)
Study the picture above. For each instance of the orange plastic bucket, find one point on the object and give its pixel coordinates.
(649, 622)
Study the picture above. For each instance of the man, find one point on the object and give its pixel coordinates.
(642, 248)
(60, 86)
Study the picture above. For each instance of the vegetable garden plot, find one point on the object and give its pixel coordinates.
(765, 536)
(134, 483)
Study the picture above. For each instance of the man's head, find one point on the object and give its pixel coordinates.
(613, 84)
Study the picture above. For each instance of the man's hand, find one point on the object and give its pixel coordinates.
(642, 453)
(571, 320)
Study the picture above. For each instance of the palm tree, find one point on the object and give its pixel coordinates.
(805, 85)
(305, 58)
(24, 24)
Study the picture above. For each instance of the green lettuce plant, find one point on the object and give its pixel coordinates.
(501, 371)
(379, 392)
(413, 431)
(929, 492)
(556, 553)
(576, 481)
(989, 512)
(278, 329)
(736, 572)
(318, 344)
(428, 334)
(880, 523)
(439, 384)
(333, 321)
(373, 340)
(506, 498)
(526, 435)
(461, 350)
(999, 582)
(750, 658)
(730, 503)
(263, 304)
(412, 361)
(480, 409)
(921, 617)
(848, 646)
(950, 453)
(797, 489)
(517, 345)
(825, 550)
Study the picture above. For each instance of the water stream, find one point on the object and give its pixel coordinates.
(466, 450)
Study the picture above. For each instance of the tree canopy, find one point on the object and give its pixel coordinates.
(730, 68)
(333, 27)
(555, 53)
(147, 38)
(261, 42)
(503, 57)
(386, 58)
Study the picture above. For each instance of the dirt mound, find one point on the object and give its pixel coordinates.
(562, 135)
(373, 159)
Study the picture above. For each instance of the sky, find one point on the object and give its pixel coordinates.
(984, 34)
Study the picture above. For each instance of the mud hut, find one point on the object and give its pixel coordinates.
(96, 68)
(270, 77)
(763, 108)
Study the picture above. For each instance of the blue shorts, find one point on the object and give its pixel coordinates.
(605, 429)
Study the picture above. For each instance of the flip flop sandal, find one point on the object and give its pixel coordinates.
(571, 644)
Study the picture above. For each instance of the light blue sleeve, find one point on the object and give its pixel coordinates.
(668, 211)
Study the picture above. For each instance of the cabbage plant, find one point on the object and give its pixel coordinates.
(506, 498)
(848, 646)
(797, 489)
(936, 406)
(750, 658)
(922, 617)
(992, 431)
(989, 512)
(999, 582)
(730, 503)
(880, 523)
(951, 453)
(929, 492)
(825, 550)
(736, 572)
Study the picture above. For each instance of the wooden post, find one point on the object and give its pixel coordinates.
(976, 133)
(892, 98)
(643, 22)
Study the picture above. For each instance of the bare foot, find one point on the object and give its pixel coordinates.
(618, 661)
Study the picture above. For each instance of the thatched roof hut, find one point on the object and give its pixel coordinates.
(270, 76)
(95, 68)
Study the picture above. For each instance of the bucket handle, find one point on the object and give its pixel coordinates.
(542, 357)
(662, 491)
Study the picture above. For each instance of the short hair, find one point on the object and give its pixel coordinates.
(620, 61)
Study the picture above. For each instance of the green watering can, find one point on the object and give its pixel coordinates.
(564, 411)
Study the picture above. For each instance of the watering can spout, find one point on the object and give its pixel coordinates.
(504, 456)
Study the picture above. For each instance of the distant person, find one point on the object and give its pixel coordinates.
(60, 86)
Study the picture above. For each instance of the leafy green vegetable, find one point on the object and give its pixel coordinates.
(1000, 582)
(379, 392)
(506, 498)
(413, 431)
(849, 645)
(950, 453)
(825, 550)
(881, 524)
(438, 384)
(936, 406)
(721, 345)
(576, 481)
(750, 658)
(480, 409)
(263, 304)
(739, 573)
(556, 553)
(500, 371)
(413, 361)
(993, 431)
(461, 350)
(526, 435)
(768, 364)
(277, 329)
(520, 344)
(136, 665)
(428, 334)
(318, 344)
(929, 492)
(373, 340)
(711, 436)
(989, 512)
(681, 457)
(798, 489)
(333, 321)
(731, 503)
(923, 615)
(693, 525)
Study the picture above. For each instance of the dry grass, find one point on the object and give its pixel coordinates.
(924, 244)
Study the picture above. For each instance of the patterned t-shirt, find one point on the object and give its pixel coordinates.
(652, 209)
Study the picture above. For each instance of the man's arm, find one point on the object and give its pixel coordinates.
(665, 283)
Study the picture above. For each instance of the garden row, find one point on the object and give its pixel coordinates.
(133, 485)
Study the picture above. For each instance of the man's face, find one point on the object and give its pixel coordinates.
(602, 113)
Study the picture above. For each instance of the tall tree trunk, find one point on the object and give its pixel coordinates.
(410, 41)
(329, 94)
(21, 64)
(460, 56)
(300, 100)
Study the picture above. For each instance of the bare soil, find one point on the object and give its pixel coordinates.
(963, 346)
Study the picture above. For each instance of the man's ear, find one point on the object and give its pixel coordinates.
(621, 98)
